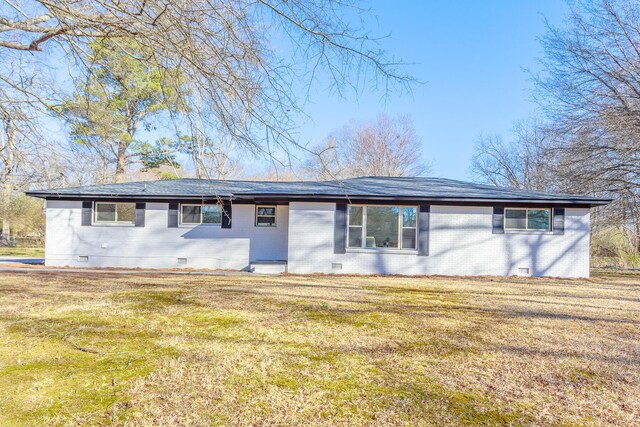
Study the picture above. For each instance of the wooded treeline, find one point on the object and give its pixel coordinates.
(587, 137)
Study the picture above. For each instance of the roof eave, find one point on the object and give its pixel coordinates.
(248, 196)
(85, 196)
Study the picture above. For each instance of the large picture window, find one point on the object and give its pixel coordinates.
(375, 227)
(120, 213)
(527, 219)
(200, 214)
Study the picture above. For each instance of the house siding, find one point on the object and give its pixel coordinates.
(158, 246)
(461, 242)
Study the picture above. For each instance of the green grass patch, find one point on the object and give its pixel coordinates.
(21, 252)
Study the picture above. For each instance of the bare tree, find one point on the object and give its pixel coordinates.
(225, 50)
(23, 162)
(7, 151)
(526, 161)
(384, 147)
(590, 89)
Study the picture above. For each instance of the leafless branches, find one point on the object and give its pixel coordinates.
(526, 161)
(246, 59)
(384, 147)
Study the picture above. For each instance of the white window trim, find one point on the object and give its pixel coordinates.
(363, 227)
(112, 223)
(194, 224)
(274, 216)
(526, 229)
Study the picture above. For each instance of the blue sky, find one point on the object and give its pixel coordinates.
(470, 56)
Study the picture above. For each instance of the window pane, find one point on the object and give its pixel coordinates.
(126, 212)
(539, 219)
(515, 219)
(355, 215)
(267, 211)
(382, 226)
(355, 237)
(408, 217)
(266, 221)
(211, 214)
(191, 214)
(105, 211)
(408, 238)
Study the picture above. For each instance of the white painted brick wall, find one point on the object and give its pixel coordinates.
(157, 246)
(460, 243)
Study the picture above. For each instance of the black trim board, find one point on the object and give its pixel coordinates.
(424, 213)
(281, 200)
(340, 229)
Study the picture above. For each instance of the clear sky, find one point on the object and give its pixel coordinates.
(470, 56)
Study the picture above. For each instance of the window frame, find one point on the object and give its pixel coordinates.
(274, 216)
(115, 222)
(363, 229)
(193, 224)
(527, 229)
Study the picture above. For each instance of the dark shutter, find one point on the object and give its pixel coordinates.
(558, 221)
(340, 229)
(140, 208)
(423, 230)
(498, 220)
(87, 212)
(226, 214)
(173, 215)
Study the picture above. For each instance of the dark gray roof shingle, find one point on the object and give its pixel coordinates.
(415, 188)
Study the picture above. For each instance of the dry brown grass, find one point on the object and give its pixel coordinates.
(81, 349)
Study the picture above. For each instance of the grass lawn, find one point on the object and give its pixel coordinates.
(194, 350)
(22, 252)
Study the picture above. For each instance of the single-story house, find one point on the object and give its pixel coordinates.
(368, 225)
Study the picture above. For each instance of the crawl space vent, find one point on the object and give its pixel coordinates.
(83, 258)
(336, 266)
(523, 271)
(182, 261)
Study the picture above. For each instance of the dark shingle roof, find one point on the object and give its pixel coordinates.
(378, 188)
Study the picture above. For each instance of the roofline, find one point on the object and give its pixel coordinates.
(324, 197)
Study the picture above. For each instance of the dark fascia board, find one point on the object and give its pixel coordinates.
(286, 198)
(123, 197)
(433, 200)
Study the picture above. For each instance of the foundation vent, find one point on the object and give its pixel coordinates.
(523, 271)
(182, 261)
(336, 266)
(83, 258)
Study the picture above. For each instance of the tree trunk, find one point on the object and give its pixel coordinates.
(7, 190)
(121, 161)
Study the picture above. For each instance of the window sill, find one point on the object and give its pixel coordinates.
(535, 232)
(383, 251)
(199, 225)
(112, 224)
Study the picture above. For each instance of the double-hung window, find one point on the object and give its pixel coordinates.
(527, 219)
(377, 227)
(265, 216)
(115, 213)
(200, 214)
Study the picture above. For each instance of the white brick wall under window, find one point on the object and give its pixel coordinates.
(156, 245)
(461, 242)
